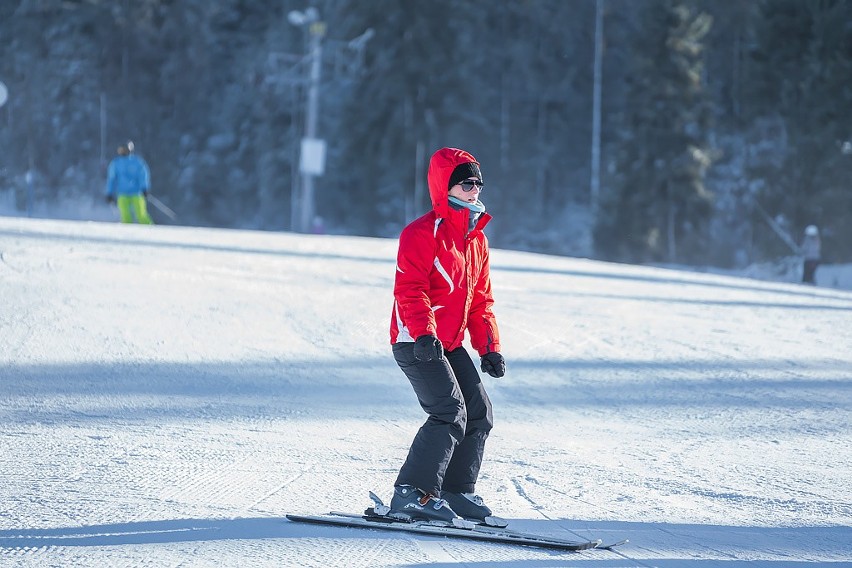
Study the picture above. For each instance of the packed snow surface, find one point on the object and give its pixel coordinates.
(168, 394)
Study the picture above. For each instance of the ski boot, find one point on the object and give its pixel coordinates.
(412, 504)
(471, 507)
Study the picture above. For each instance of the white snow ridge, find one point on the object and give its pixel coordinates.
(168, 394)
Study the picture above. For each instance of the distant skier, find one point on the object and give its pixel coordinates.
(811, 251)
(442, 288)
(128, 180)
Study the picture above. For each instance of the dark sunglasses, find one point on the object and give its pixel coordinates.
(468, 185)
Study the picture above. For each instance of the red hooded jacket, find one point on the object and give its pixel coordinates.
(443, 283)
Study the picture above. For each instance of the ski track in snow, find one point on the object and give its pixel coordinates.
(168, 394)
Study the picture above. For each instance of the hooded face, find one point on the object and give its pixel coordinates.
(441, 168)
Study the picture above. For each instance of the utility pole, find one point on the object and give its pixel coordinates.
(312, 149)
(594, 197)
(312, 160)
(312, 155)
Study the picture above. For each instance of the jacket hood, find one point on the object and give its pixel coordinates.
(441, 167)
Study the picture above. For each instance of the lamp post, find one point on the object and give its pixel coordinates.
(312, 151)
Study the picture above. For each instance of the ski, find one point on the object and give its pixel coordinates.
(611, 545)
(472, 532)
(492, 529)
(495, 524)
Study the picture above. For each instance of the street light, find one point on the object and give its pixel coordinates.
(312, 154)
(301, 18)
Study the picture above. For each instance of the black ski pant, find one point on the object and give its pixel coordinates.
(809, 271)
(446, 453)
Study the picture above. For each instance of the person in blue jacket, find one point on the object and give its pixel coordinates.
(128, 180)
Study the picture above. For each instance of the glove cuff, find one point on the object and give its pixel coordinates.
(492, 348)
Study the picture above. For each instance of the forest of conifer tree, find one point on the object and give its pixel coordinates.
(724, 126)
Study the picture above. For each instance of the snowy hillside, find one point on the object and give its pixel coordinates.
(167, 394)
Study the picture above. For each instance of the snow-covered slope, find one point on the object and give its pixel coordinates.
(168, 394)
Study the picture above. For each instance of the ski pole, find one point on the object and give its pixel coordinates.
(162, 207)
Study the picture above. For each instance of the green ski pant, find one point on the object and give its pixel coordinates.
(134, 205)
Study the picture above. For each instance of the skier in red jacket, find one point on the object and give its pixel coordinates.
(442, 288)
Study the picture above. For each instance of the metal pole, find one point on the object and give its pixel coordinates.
(29, 177)
(317, 30)
(295, 174)
(103, 129)
(596, 111)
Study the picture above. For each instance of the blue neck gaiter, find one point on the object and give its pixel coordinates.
(476, 208)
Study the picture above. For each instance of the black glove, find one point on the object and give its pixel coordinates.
(145, 193)
(494, 365)
(427, 348)
(110, 199)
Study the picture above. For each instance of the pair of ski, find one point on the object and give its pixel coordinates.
(378, 517)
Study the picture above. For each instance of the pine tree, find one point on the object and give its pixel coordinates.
(504, 81)
(660, 206)
(802, 62)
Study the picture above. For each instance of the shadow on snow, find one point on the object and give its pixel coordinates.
(292, 389)
(784, 542)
